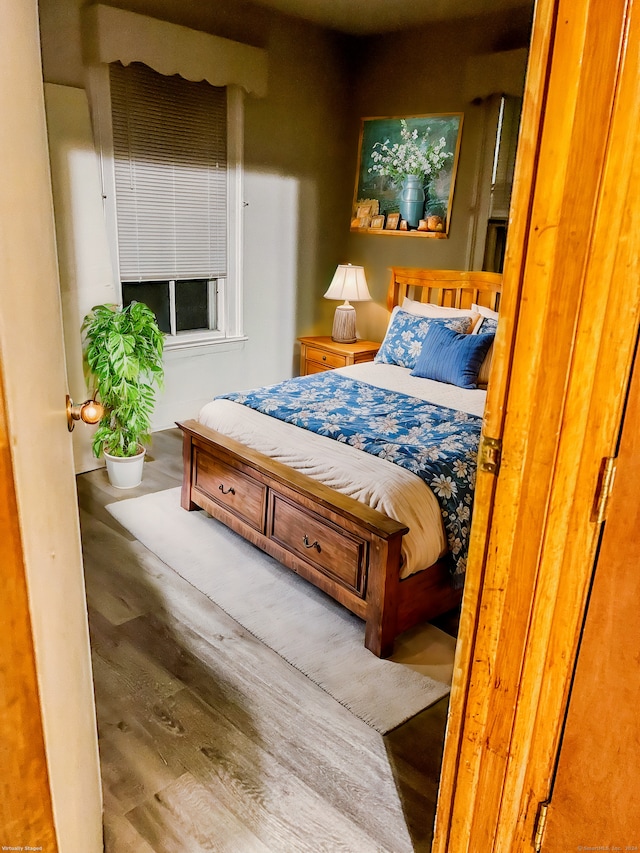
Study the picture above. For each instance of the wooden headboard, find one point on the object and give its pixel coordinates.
(451, 288)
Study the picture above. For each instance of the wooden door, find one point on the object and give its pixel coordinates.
(563, 355)
(594, 800)
(50, 786)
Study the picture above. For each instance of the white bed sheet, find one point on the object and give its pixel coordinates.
(380, 484)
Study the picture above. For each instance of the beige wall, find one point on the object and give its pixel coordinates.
(300, 156)
(419, 72)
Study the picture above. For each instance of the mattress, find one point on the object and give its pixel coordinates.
(377, 482)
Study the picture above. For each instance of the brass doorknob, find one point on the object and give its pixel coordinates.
(90, 412)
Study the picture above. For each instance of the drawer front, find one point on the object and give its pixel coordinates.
(232, 489)
(312, 367)
(365, 356)
(335, 553)
(328, 359)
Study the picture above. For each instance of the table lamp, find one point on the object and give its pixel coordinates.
(348, 283)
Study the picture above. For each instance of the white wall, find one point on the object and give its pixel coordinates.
(86, 274)
(295, 176)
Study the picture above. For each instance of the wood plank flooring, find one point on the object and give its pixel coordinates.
(209, 741)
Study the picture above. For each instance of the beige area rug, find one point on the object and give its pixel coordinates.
(304, 626)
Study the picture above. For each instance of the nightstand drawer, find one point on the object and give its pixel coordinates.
(321, 353)
(326, 359)
(313, 367)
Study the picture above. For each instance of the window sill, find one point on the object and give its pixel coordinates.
(186, 343)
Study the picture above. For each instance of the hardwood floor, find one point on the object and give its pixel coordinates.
(209, 741)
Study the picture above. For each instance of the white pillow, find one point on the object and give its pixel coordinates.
(427, 309)
(483, 312)
(485, 367)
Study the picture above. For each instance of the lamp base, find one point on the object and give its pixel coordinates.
(344, 325)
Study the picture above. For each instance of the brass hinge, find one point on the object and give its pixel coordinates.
(489, 454)
(541, 822)
(604, 489)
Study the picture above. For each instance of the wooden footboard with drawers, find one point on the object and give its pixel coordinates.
(342, 546)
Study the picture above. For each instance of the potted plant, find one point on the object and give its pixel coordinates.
(123, 359)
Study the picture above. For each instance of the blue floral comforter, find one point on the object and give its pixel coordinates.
(438, 444)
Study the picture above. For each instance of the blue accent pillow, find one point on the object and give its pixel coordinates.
(403, 341)
(448, 356)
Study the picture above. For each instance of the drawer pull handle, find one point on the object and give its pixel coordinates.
(229, 491)
(307, 544)
(324, 358)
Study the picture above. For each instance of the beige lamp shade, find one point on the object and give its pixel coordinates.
(349, 283)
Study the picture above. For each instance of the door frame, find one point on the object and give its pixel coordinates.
(564, 348)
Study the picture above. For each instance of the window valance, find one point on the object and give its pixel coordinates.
(117, 35)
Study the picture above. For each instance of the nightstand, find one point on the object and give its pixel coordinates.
(323, 353)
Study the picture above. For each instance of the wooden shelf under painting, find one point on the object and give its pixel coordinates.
(368, 219)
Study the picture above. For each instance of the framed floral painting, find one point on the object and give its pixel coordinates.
(408, 166)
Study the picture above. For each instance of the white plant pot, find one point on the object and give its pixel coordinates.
(125, 472)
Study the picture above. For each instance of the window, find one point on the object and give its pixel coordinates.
(504, 156)
(179, 305)
(171, 194)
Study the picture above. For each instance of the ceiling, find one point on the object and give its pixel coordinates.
(366, 17)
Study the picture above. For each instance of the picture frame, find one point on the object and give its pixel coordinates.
(377, 222)
(393, 220)
(381, 170)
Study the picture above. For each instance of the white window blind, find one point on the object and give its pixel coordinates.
(170, 163)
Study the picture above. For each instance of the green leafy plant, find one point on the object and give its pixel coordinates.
(123, 359)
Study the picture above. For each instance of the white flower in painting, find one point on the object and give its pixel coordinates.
(415, 155)
(443, 486)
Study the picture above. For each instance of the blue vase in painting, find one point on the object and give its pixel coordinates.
(412, 199)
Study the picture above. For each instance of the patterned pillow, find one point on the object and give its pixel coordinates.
(448, 356)
(403, 341)
(486, 326)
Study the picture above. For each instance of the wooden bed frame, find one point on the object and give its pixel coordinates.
(344, 547)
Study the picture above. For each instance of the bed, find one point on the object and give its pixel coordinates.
(366, 531)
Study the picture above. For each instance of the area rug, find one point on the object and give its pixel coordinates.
(303, 625)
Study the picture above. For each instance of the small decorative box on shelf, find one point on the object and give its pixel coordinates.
(323, 353)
